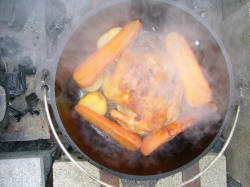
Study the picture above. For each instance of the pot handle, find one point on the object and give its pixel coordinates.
(45, 89)
(224, 146)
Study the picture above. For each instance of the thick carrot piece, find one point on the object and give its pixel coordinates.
(196, 88)
(154, 140)
(126, 138)
(88, 71)
(151, 142)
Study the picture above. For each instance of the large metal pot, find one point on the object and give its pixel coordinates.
(180, 152)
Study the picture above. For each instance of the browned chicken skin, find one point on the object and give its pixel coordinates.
(140, 84)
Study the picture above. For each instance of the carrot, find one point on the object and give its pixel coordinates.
(126, 138)
(154, 140)
(196, 88)
(88, 71)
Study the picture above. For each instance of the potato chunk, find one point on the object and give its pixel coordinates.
(95, 101)
(107, 36)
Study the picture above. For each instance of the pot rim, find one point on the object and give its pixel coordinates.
(226, 120)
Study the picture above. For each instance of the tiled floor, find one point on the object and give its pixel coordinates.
(66, 174)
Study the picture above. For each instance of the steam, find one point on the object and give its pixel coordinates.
(157, 21)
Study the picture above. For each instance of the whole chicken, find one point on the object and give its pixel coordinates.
(140, 85)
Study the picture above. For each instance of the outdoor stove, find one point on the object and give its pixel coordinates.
(31, 37)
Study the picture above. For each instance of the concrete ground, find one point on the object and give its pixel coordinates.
(233, 22)
(27, 168)
(66, 174)
(236, 36)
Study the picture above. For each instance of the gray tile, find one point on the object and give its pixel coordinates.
(65, 174)
(174, 180)
(135, 183)
(216, 175)
(21, 172)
